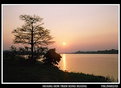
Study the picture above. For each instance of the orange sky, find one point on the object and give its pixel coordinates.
(82, 27)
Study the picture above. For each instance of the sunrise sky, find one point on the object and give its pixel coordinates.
(73, 26)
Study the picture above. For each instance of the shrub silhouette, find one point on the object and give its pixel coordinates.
(51, 57)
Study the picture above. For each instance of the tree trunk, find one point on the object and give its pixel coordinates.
(32, 46)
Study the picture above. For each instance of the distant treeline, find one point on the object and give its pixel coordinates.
(111, 51)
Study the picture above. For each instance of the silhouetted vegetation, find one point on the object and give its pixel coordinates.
(51, 57)
(32, 34)
(111, 51)
(19, 70)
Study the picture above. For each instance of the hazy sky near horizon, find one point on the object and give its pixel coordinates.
(81, 27)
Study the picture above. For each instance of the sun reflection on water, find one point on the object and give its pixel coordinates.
(64, 61)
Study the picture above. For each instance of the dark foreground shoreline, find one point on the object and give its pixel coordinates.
(18, 70)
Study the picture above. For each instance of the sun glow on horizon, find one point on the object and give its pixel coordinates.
(64, 43)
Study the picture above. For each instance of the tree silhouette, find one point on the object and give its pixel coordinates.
(32, 34)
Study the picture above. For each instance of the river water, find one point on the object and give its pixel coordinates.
(97, 64)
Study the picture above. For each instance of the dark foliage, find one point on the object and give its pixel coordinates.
(51, 57)
(33, 36)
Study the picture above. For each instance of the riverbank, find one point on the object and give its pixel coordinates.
(17, 69)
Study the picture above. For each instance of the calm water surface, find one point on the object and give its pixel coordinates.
(97, 64)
